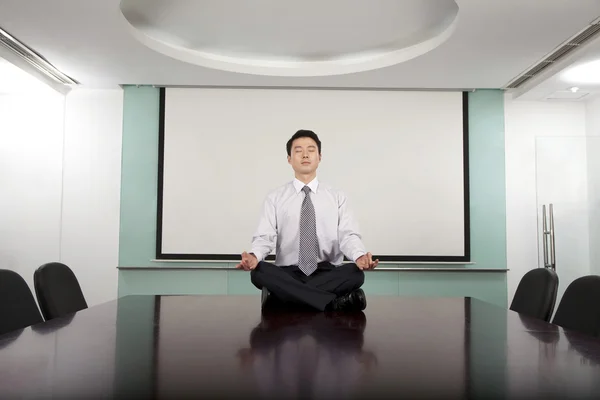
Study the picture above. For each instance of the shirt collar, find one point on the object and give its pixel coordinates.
(313, 185)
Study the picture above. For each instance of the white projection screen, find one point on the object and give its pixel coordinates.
(401, 157)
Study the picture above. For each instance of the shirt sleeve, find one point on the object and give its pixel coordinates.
(265, 236)
(349, 236)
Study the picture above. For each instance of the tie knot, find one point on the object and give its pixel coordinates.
(306, 189)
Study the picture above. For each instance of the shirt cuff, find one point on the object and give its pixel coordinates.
(357, 255)
(258, 255)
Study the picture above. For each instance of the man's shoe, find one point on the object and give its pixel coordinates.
(359, 300)
(353, 301)
(340, 303)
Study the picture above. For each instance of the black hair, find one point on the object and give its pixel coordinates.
(300, 134)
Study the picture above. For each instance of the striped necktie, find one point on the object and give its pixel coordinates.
(309, 246)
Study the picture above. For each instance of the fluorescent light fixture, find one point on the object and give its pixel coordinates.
(40, 64)
(585, 73)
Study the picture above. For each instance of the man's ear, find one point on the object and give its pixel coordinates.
(289, 159)
(319, 157)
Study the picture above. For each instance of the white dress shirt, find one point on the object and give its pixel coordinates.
(278, 227)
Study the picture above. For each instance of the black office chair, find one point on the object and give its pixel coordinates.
(57, 290)
(17, 305)
(536, 294)
(579, 308)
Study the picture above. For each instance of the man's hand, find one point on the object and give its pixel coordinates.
(248, 263)
(365, 262)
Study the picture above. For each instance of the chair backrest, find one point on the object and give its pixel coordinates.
(57, 290)
(17, 305)
(579, 308)
(536, 294)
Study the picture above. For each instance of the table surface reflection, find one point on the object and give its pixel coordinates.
(222, 346)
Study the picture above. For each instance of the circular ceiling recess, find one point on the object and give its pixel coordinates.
(292, 38)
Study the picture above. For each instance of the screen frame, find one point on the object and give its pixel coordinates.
(466, 258)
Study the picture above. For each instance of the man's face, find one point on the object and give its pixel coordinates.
(305, 156)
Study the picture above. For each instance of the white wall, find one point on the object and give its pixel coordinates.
(592, 113)
(31, 153)
(524, 122)
(60, 174)
(91, 190)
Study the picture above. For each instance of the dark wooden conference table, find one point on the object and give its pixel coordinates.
(221, 347)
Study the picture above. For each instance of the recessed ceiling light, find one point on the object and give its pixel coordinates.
(584, 73)
(574, 89)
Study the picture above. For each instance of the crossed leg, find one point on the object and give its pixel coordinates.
(289, 284)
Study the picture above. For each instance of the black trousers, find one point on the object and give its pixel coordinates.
(289, 284)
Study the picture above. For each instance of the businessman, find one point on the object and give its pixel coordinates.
(311, 229)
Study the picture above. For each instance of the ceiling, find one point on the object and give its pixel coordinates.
(557, 82)
(292, 38)
(485, 44)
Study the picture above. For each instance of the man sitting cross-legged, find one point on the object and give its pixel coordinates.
(311, 228)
